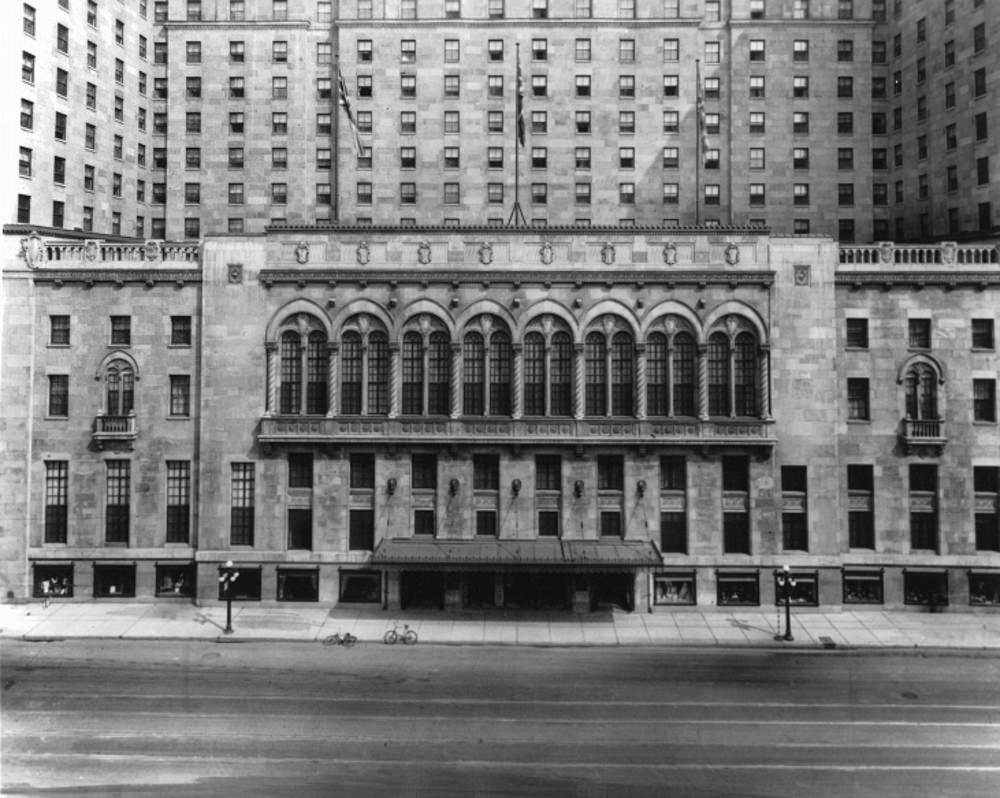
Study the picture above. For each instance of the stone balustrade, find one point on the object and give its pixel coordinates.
(886, 253)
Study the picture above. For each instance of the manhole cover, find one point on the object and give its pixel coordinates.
(908, 694)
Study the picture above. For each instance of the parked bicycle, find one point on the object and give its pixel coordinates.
(394, 635)
(338, 639)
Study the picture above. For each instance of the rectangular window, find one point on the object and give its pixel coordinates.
(857, 399)
(863, 586)
(984, 400)
(362, 471)
(486, 472)
(116, 518)
(919, 333)
(452, 51)
(56, 501)
(178, 501)
(738, 588)
(180, 395)
(626, 51)
(923, 506)
(861, 513)
(59, 395)
(671, 193)
(982, 334)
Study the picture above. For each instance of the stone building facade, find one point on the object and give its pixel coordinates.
(474, 417)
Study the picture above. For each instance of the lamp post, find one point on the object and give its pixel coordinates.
(784, 580)
(227, 575)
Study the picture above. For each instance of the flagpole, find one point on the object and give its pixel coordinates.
(516, 217)
(699, 113)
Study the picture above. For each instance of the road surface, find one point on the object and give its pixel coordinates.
(115, 718)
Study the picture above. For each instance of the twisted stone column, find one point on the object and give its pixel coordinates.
(456, 380)
(579, 363)
(271, 349)
(332, 377)
(641, 410)
(764, 374)
(670, 377)
(517, 401)
(395, 378)
(702, 364)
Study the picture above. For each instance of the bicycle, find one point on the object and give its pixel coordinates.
(393, 636)
(338, 639)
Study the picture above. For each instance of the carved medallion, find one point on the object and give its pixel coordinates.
(885, 251)
(33, 250)
(608, 253)
(948, 251)
(363, 253)
(302, 252)
(91, 249)
(802, 275)
(154, 250)
(486, 254)
(732, 254)
(235, 272)
(546, 253)
(670, 253)
(424, 253)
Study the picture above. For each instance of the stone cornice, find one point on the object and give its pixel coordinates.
(948, 279)
(531, 231)
(118, 276)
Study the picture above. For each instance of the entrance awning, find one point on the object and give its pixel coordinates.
(554, 552)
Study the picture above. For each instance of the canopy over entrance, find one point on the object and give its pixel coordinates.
(493, 552)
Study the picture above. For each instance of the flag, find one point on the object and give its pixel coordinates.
(700, 109)
(345, 103)
(520, 105)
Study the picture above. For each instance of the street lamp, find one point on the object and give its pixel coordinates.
(786, 582)
(227, 575)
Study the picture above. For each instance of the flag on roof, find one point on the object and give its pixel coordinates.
(520, 105)
(345, 103)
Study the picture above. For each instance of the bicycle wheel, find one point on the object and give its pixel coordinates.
(332, 640)
(390, 637)
(410, 637)
(348, 640)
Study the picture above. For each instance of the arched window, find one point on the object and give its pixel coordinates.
(561, 375)
(303, 370)
(622, 366)
(921, 393)
(534, 374)
(120, 381)
(596, 356)
(364, 369)
(684, 375)
(430, 368)
(413, 374)
(473, 367)
(745, 375)
(656, 375)
(350, 373)
(439, 374)
(487, 367)
(500, 369)
(718, 375)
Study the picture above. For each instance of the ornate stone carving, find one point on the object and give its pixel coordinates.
(732, 254)
(33, 250)
(801, 275)
(154, 250)
(885, 252)
(949, 250)
(363, 254)
(91, 249)
(235, 271)
(608, 253)
(732, 325)
(424, 253)
(670, 253)
(486, 254)
(302, 252)
(546, 253)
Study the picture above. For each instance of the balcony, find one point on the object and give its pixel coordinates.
(115, 430)
(751, 433)
(923, 437)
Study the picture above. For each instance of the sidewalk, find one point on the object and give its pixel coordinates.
(870, 629)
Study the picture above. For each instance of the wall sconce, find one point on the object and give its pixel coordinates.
(578, 488)
(452, 486)
(640, 488)
(390, 486)
(515, 486)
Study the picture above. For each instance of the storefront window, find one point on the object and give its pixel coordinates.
(805, 591)
(361, 587)
(738, 588)
(926, 587)
(114, 581)
(175, 579)
(54, 580)
(246, 587)
(298, 584)
(863, 587)
(984, 589)
(674, 588)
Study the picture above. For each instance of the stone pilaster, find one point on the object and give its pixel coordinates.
(641, 410)
(702, 366)
(456, 380)
(517, 400)
(580, 384)
(271, 349)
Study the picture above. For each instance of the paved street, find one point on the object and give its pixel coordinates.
(128, 718)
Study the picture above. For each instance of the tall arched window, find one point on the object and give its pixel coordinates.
(350, 373)
(561, 375)
(745, 375)
(487, 367)
(656, 375)
(303, 370)
(718, 375)
(120, 381)
(596, 356)
(378, 374)
(921, 393)
(439, 374)
(684, 375)
(413, 374)
(534, 374)
(622, 366)
(473, 368)
(500, 371)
